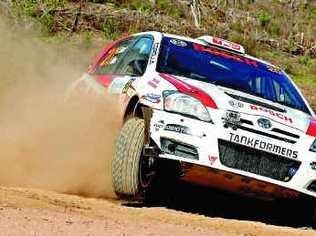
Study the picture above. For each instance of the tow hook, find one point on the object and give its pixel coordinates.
(150, 151)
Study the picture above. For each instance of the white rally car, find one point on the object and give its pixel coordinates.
(203, 111)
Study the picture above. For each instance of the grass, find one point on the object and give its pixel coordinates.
(40, 10)
(111, 29)
(305, 79)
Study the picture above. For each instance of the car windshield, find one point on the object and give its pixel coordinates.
(219, 67)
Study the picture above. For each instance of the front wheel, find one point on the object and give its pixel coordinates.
(132, 173)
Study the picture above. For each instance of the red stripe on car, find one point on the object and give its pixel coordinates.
(312, 127)
(190, 90)
(105, 80)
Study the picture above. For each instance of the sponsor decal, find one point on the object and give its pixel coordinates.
(236, 104)
(233, 116)
(177, 128)
(226, 44)
(262, 145)
(154, 82)
(178, 43)
(292, 171)
(158, 126)
(130, 92)
(232, 119)
(154, 54)
(212, 159)
(127, 86)
(264, 123)
(272, 113)
(151, 97)
(120, 84)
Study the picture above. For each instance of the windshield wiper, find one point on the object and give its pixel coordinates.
(289, 105)
(253, 101)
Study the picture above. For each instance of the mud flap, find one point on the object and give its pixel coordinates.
(149, 150)
(147, 114)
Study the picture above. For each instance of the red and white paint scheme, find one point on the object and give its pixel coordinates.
(232, 139)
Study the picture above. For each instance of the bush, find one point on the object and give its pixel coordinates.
(305, 61)
(31, 8)
(264, 18)
(140, 5)
(111, 29)
(274, 29)
(291, 68)
(169, 7)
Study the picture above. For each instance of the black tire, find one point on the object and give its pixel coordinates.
(127, 162)
(313, 213)
(296, 213)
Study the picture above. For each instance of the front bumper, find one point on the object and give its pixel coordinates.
(199, 146)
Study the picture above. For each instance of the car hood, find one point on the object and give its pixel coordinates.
(228, 99)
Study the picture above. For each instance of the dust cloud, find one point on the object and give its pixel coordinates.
(45, 142)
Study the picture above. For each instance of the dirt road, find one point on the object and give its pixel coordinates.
(38, 212)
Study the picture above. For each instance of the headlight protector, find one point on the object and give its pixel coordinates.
(184, 104)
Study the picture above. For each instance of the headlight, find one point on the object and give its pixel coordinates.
(185, 104)
(313, 146)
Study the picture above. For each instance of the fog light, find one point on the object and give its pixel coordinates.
(313, 165)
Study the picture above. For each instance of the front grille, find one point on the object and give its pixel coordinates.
(257, 162)
(285, 133)
(256, 131)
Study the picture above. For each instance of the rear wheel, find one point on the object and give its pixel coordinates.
(132, 173)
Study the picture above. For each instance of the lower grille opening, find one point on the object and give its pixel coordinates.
(312, 186)
(173, 147)
(257, 162)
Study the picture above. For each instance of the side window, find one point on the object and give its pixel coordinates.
(112, 58)
(136, 59)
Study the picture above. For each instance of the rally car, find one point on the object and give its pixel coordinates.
(212, 114)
